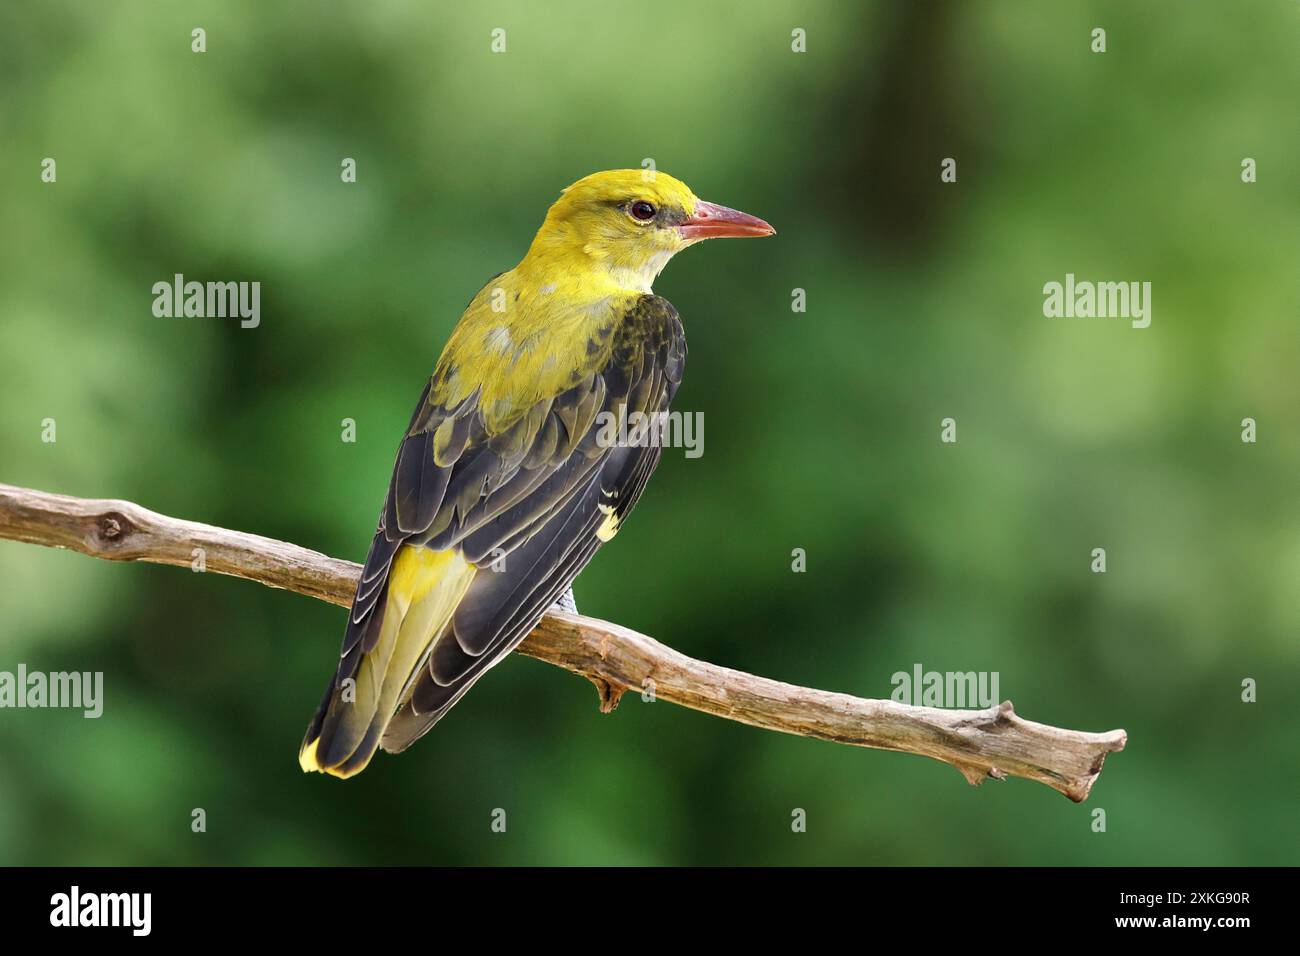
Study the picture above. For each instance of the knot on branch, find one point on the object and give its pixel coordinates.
(610, 694)
(999, 717)
(113, 528)
(977, 773)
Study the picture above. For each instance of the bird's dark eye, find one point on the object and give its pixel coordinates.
(642, 210)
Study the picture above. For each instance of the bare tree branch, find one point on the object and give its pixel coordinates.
(979, 743)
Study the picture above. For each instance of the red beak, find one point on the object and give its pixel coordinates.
(715, 222)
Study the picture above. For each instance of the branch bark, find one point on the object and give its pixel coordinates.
(995, 742)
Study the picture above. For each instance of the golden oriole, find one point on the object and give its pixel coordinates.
(503, 489)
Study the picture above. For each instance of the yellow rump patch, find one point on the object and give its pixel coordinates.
(424, 588)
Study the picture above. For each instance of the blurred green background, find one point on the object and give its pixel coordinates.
(924, 301)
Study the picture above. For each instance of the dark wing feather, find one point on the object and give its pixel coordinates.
(528, 499)
(545, 537)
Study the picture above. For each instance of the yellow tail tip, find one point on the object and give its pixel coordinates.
(307, 760)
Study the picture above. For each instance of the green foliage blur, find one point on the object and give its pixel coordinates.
(924, 301)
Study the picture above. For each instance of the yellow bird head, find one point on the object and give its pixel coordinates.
(630, 222)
